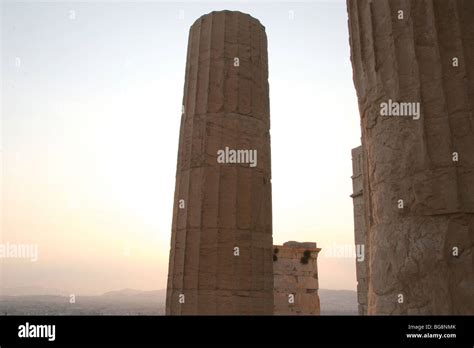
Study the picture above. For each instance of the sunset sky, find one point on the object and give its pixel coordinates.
(91, 104)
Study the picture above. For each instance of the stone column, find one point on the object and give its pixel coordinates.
(419, 171)
(221, 245)
(359, 227)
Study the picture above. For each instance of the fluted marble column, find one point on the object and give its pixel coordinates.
(221, 245)
(419, 173)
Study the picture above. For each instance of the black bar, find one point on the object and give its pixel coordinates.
(314, 330)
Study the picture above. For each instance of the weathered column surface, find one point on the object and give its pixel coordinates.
(221, 244)
(419, 171)
(359, 226)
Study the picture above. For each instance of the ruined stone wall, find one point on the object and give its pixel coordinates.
(295, 268)
(359, 225)
(221, 244)
(419, 174)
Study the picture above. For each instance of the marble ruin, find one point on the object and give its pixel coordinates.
(413, 69)
(296, 279)
(221, 245)
(359, 225)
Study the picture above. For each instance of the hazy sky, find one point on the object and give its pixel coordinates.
(91, 106)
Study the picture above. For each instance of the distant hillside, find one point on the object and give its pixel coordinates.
(120, 302)
(153, 295)
(338, 302)
(123, 292)
(132, 302)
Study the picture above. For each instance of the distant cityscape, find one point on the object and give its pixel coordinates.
(131, 302)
